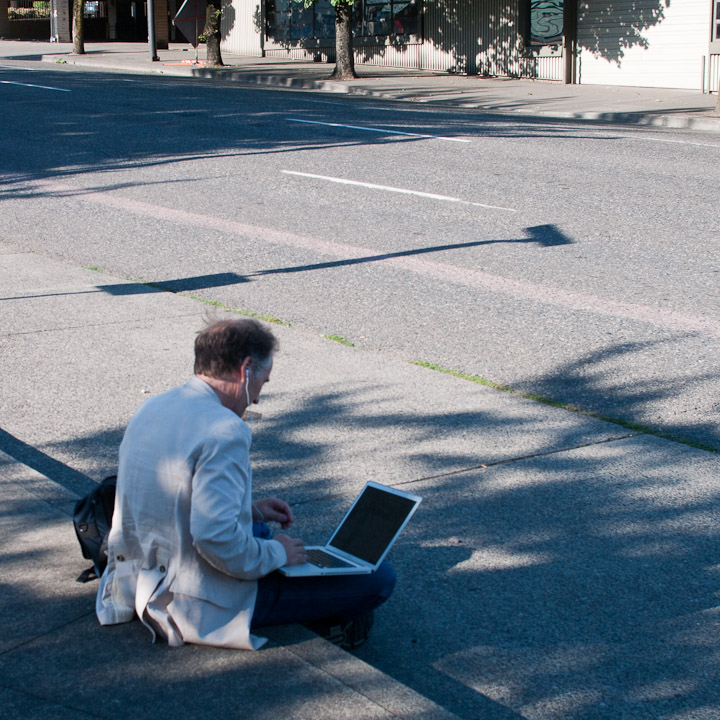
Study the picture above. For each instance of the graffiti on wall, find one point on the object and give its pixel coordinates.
(546, 21)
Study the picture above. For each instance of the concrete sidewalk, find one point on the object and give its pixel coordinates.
(55, 660)
(653, 107)
(560, 567)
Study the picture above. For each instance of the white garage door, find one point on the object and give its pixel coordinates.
(650, 43)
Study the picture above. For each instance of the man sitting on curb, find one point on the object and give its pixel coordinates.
(189, 551)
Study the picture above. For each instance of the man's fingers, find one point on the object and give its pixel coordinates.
(294, 549)
(299, 554)
(278, 510)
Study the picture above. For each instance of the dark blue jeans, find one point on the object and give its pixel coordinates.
(282, 600)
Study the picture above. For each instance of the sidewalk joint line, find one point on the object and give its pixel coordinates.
(45, 634)
(66, 328)
(50, 701)
(361, 693)
(481, 466)
(520, 458)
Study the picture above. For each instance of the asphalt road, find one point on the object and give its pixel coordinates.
(572, 261)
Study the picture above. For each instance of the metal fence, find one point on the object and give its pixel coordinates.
(28, 9)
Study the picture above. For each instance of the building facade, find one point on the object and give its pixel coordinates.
(649, 43)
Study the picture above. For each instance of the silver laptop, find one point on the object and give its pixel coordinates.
(365, 535)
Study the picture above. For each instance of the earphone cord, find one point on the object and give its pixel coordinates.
(247, 395)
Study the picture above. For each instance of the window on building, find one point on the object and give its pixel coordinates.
(546, 21)
(95, 9)
(377, 17)
(716, 22)
(288, 20)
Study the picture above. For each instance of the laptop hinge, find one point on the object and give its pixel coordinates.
(349, 558)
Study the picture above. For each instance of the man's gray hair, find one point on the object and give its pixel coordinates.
(222, 347)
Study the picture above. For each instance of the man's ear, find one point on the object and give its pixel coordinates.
(245, 370)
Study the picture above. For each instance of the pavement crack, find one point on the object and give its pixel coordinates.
(51, 701)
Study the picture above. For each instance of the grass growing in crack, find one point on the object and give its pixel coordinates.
(237, 311)
(339, 339)
(635, 427)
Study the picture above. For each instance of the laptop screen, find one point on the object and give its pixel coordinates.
(372, 524)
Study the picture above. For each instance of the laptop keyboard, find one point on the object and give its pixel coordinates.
(322, 559)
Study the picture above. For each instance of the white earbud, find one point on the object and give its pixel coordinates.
(247, 391)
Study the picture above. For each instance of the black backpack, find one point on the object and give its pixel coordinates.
(92, 520)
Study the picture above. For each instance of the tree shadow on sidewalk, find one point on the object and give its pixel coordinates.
(558, 567)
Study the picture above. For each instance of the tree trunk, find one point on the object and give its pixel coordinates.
(344, 56)
(212, 34)
(78, 27)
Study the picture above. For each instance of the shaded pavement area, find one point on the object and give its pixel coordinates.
(559, 566)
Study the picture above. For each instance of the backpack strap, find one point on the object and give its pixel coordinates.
(87, 575)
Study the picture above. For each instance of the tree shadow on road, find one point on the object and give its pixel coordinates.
(198, 122)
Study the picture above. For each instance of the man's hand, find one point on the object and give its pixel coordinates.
(294, 549)
(274, 510)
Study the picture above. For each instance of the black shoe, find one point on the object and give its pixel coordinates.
(349, 635)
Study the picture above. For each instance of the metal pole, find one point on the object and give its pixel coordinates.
(570, 41)
(53, 21)
(197, 42)
(263, 28)
(151, 30)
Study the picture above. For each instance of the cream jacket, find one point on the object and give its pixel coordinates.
(181, 554)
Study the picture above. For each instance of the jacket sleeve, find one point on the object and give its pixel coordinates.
(221, 507)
